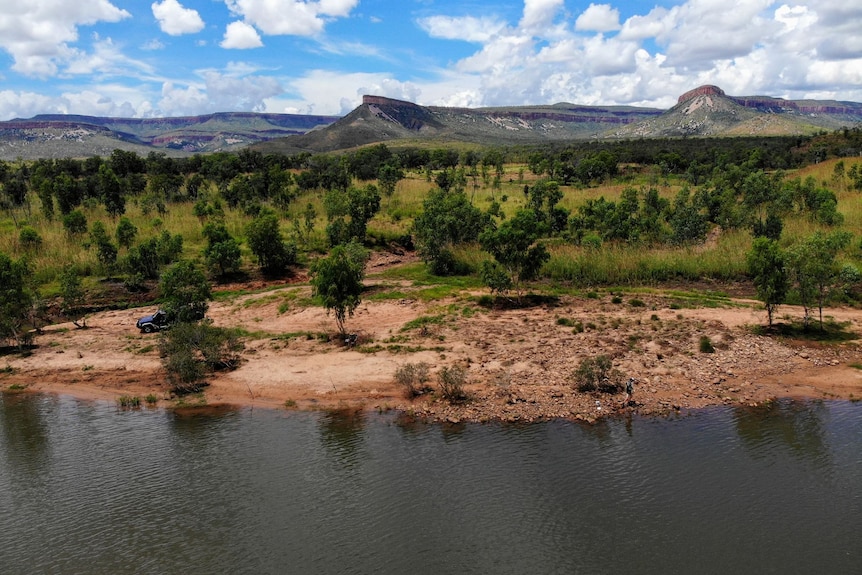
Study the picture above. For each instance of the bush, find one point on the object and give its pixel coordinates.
(413, 377)
(29, 238)
(706, 345)
(597, 374)
(452, 380)
(190, 351)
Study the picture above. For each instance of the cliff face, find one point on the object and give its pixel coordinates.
(701, 91)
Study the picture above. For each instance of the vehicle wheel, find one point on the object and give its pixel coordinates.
(147, 329)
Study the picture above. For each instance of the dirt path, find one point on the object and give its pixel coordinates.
(519, 361)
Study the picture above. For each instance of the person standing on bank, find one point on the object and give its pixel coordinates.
(630, 390)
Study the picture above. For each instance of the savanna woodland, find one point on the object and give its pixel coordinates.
(610, 240)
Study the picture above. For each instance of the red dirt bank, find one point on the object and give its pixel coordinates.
(519, 361)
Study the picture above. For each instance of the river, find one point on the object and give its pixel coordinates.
(87, 488)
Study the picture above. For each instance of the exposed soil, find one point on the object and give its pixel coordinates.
(519, 360)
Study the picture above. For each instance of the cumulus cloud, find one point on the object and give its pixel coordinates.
(37, 33)
(241, 36)
(468, 28)
(598, 18)
(86, 102)
(218, 92)
(745, 46)
(290, 17)
(174, 19)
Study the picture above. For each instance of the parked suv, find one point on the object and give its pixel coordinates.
(155, 322)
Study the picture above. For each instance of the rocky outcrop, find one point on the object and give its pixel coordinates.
(707, 90)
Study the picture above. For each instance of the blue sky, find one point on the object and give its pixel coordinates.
(136, 58)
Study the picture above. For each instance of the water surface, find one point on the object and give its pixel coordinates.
(87, 488)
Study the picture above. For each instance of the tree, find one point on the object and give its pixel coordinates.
(75, 223)
(72, 296)
(359, 204)
(766, 265)
(337, 280)
(814, 269)
(16, 299)
(447, 219)
(126, 232)
(264, 238)
(105, 250)
(190, 351)
(222, 252)
(388, 177)
(514, 246)
(185, 292)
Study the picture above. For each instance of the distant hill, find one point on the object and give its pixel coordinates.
(59, 135)
(703, 112)
(381, 119)
(708, 111)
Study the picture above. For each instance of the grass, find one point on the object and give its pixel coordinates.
(129, 402)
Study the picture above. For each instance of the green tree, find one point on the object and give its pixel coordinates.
(447, 219)
(358, 205)
(185, 292)
(767, 266)
(29, 238)
(191, 351)
(388, 177)
(106, 251)
(514, 245)
(126, 232)
(814, 269)
(337, 280)
(16, 299)
(111, 190)
(72, 296)
(222, 252)
(75, 223)
(273, 253)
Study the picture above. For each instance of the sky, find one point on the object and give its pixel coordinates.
(138, 58)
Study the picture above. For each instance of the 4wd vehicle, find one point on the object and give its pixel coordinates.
(155, 322)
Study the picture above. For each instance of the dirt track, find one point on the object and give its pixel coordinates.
(519, 361)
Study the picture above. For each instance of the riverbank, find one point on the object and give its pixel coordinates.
(518, 361)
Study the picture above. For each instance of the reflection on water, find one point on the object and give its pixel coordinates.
(85, 488)
(26, 432)
(341, 432)
(798, 426)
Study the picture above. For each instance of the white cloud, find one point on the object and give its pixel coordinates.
(241, 36)
(598, 18)
(219, 92)
(37, 33)
(539, 14)
(467, 28)
(290, 17)
(86, 102)
(153, 44)
(106, 60)
(174, 19)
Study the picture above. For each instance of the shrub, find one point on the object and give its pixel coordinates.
(452, 380)
(29, 238)
(413, 377)
(190, 351)
(597, 374)
(706, 345)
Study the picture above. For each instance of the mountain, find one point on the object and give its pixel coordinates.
(380, 119)
(60, 135)
(708, 111)
(703, 112)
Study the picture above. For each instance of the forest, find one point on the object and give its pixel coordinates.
(776, 214)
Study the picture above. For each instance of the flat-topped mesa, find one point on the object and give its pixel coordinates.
(384, 101)
(701, 91)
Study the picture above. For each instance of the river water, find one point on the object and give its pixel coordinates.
(86, 488)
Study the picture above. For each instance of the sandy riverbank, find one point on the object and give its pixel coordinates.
(519, 361)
